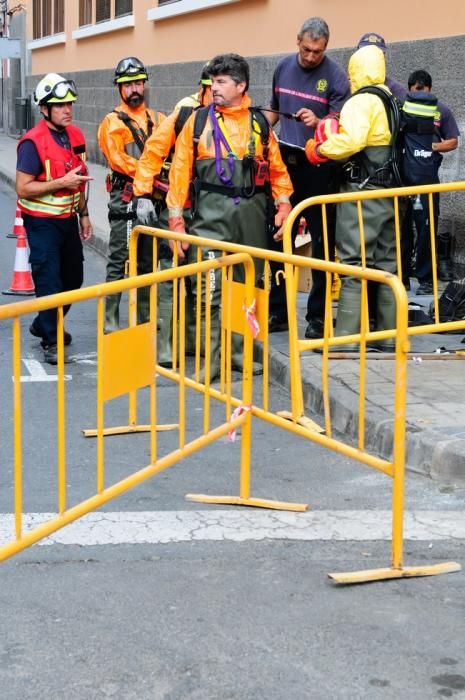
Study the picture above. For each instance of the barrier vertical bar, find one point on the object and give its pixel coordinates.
(206, 366)
(100, 415)
(434, 267)
(247, 379)
(182, 362)
(363, 329)
(61, 439)
(265, 341)
(17, 438)
(400, 401)
(153, 385)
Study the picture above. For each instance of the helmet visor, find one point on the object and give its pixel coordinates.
(62, 90)
(129, 66)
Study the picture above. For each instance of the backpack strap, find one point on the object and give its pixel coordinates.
(264, 126)
(137, 134)
(200, 121)
(390, 105)
(184, 114)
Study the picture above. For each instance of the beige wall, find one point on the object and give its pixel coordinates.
(248, 27)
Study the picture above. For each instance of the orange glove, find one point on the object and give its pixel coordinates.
(177, 224)
(327, 126)
(283, 211)
(311, 151)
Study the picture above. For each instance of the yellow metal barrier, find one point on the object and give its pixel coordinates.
(395, 194)
(295, 421)
(239, 408)
(126, 362)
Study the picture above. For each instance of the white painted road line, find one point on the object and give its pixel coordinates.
(163, 527)
(37, 373)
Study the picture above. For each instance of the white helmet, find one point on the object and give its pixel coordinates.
(53, 89)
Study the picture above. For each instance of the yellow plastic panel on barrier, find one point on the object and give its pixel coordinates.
(237, 319)
(128, 360)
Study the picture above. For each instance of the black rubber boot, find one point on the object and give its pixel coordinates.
(445, 267)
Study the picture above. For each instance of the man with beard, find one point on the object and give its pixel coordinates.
(122, 135)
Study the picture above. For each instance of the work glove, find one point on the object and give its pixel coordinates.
(177, 224)
(283, 211)
(311, 151)
(327, 126)
(145, 211)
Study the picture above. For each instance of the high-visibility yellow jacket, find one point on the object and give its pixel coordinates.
(236, 123)
(363, 121)
(116, 140)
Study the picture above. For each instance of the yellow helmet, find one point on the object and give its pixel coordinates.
(54, 89)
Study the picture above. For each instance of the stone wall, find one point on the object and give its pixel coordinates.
(443, 58)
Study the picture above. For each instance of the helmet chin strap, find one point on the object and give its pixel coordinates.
(48, 118)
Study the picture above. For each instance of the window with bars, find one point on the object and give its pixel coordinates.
(85, 12)
(166, 2)
(48, 17)
(123, 7)
(103, 10)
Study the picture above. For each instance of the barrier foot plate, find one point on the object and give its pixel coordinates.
(124, 429)
(447, 567)
(303, 421)
(251, 502)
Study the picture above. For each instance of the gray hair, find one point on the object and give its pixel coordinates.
(316, 27)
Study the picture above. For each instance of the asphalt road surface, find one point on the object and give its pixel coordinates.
(157, 597)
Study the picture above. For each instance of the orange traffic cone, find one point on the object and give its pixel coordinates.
(18, 226)
(21, 284)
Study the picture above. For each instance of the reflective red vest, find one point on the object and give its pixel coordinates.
(56, 161)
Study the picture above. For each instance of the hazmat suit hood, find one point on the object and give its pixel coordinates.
(367, 66)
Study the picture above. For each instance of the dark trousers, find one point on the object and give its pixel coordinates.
(56, 260)
(308, 181)
(418, 220)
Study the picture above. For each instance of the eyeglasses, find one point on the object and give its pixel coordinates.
(129, 65)
(60, 90)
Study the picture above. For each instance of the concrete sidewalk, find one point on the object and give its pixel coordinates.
(435, 389)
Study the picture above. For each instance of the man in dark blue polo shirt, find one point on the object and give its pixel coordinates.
(445, 139)
(309, 85)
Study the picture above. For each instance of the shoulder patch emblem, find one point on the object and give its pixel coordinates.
(322, 85)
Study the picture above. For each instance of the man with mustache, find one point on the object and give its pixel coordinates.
(122, 135)
(51, 178)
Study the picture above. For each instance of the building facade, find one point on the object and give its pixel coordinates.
(84, 39)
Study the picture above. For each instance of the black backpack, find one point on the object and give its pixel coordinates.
(451, 303)
(417, 124)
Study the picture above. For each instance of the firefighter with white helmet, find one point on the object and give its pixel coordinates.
(51, 177)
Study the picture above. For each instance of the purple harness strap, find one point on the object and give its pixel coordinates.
(219, 140)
